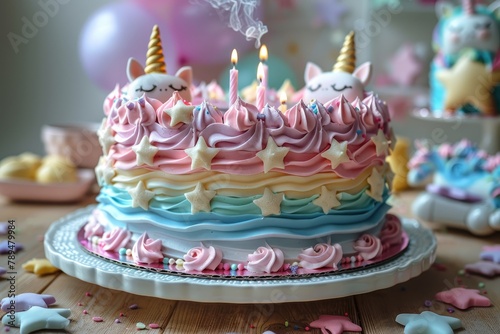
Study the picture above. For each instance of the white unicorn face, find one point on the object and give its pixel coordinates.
(325, 86)
(158, 86)
(470, 31)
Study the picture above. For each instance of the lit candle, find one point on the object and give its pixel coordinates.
(263, 58)
(233, 79)
(261, 90)
(283, 99)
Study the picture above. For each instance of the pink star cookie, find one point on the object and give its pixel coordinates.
(485, 268)
(491, 253)
(463, 298)
(335, 324)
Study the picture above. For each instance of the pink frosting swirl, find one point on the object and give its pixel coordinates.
(109, 101)
(93, 227)
(115, 239)
(201, 258)
(241, 116)
(392, 231)
(147, 250)
(266, 259)
(321, 256)
(368, 246)
(204, 115)
(301, 118)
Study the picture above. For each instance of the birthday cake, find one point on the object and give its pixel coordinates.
(464, 75)
(253, 190)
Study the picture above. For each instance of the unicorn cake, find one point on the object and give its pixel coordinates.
(464, 75)
(463, 186)
(193, 189)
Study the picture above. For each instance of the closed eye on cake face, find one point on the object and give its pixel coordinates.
(149, 90)
(337, 89)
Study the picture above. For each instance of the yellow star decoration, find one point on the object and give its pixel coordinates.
(468, 81)
(40, 267)
(381, 143)
(327, 200)
(376, 182)
(200, 199)
(201, 155)
(269, 203)
(398, 161)
(337, 153)
(144, 152)
(272, 155)
(141, 196)
(180, 113)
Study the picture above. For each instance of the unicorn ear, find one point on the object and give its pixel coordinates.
(444, 9)
(363, 73)
(134, 69)
(311, 71)
(186, 74)
(494, 7)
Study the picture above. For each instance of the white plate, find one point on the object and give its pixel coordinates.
(64, 251)
(20, 190)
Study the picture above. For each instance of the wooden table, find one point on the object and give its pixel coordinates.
(374, 312)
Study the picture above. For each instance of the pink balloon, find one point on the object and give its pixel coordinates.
(201, 36)
(115, 33)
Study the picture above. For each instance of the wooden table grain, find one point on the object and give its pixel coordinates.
(375, 312)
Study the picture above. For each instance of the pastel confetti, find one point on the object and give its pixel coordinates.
(140, 325)
(97, 319)
(154, 326)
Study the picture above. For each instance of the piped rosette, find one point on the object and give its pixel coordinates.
(265, 259)
(322, 255)
(147, 250)
(202, 258)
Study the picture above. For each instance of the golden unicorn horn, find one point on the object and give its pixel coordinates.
(155, 62)
(346, 62)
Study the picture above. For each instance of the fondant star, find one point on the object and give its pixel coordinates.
(327, 200)
(269, 203)
(108, 175)
(335, 324)
(428, 323)
(200, 199)
(141, 196)
(201, 155)
(485, 268)
(463, 298)
(40, 267)
(180, 113)
(337, 153)
(25, 301)
(376, 182)
(4, 228)
(468, 81)
(491, 253)
(7, 246)
(37, 318)
(272, 155)
(106, 140)
(144, 152)
(381, 143)
(405, 66)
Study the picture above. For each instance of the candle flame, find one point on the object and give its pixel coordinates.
(260, 72)
(283, 98)
(234, 57)
(263, 53)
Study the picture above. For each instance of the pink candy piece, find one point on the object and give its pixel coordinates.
(85, 312)
(97, 319)
(154, 326)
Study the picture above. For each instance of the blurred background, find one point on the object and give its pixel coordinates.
(60, 58)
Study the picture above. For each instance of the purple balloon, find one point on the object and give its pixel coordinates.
(115, 33)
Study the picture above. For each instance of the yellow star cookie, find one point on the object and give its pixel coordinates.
(40, 267)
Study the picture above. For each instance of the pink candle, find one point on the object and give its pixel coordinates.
(261, 89)
(263, 58)
(233, 79)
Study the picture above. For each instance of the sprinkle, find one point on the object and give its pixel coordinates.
(234, 266)
(295, 264)
(481, 285)
(133, 307)
(346, 314)
(85, 312)
(6, 328)
(179, 262)
(461, 272)
(80, 304)
(118, 321)
(359, 131)
(122, 314)
(140, 325)
(227, 266)
(427, 303)
(97, 319)
(95, 240)
(241, 266)
(166, 260)
(307, 328)
(450, 310)
(296, 327)
(88, 294)
(261, 116)
(122, 251)
(154, 326)
(286, 323)
(171, 261)
(252, 326)
(130, 105)
(128, 252)
(330, 109)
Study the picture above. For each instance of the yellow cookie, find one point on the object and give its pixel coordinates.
(56, 169)
(40, 267)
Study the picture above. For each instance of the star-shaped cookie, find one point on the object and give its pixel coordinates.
(40, 267)
(335, 324)
(428, 323)
(200, 198)
(6, 246)
(25, 301)
(381, 143)
(141, 196)
(491, 253)
(376, 182)
(37, 318)
(484, 268)
(201, 155)
(180, 113)
(337, 153)
(327, 200)
(272, 155)
(463, 298)
(144, 152)
(269, 203)
(468, 81)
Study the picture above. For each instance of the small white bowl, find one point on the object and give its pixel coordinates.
(78, 142)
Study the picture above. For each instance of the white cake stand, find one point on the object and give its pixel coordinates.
(63, 250)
